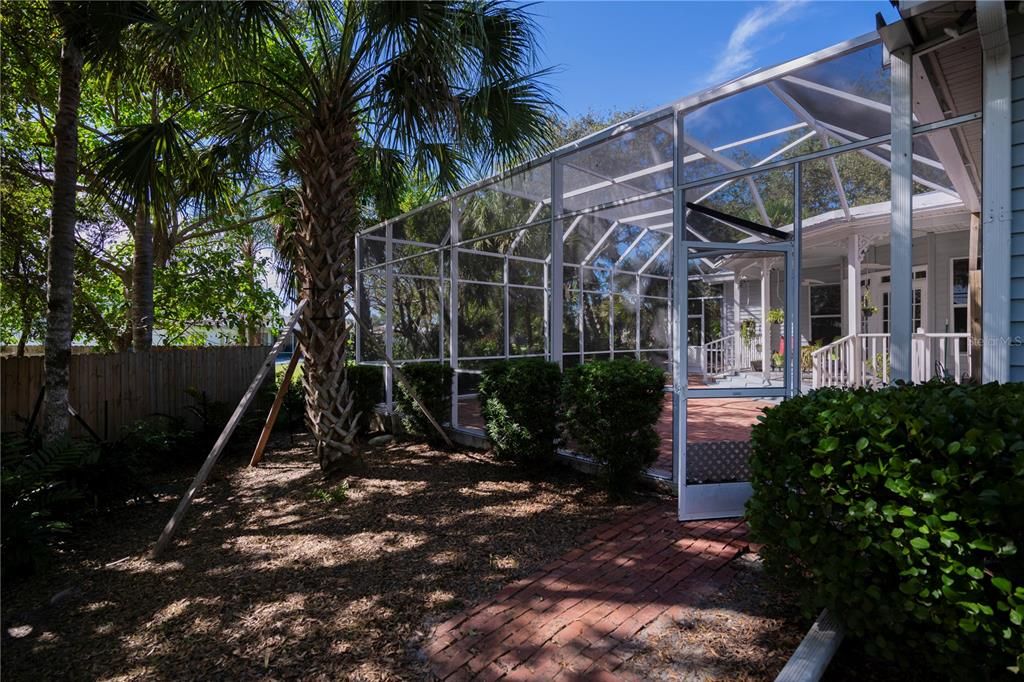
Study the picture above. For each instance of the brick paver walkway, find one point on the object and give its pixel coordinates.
(575, 618)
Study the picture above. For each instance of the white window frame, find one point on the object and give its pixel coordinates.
(954, 306)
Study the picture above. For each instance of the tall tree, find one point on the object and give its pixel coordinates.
(566, 130)
(88, 29)
(149, 178)
(431, 88)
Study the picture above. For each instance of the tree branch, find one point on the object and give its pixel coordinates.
(185, 235)
(120, 271)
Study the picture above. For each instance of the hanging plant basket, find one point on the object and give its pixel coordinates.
(867, 308)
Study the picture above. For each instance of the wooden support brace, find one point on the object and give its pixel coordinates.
(204, 472)
(974, 299)
(275, 410)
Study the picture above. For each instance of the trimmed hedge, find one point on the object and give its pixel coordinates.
(611, 408)
(519, 401)
(432, 382)
(902, 511)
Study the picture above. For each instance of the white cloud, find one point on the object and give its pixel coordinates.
(746, 38)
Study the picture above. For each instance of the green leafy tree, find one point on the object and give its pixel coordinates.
(151, 183)
(86, 31)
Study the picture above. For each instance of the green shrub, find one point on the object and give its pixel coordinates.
(38, 495)
(367, 385)
(902, 511)
(212, 415)
(432, 382)
(293, 407)
(158, 441)
(46, 489)
(519, 401)
(611, 408)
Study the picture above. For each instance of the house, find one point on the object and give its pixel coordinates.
(852, 217)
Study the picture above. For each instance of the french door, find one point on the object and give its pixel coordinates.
(878, 291)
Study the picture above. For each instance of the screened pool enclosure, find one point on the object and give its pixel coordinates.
(805, 225)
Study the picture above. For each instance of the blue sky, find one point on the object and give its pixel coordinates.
(639, 55)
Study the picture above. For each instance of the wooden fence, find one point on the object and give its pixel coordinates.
(113, 390)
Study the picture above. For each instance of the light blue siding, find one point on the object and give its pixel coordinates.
(1016, 26)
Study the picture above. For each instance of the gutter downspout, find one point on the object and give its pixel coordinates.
(995, 203)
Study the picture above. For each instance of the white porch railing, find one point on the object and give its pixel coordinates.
(864, 360)
(718, 355)
(722, 356)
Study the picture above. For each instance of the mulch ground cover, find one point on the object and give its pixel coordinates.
(742, 633)
(282, 575)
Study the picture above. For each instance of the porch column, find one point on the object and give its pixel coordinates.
(974, 312)
(853, 306)
(736, 320)
(766, 332)
(901, 242)
(996, 197)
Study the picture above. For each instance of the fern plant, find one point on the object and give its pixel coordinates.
(39, 492)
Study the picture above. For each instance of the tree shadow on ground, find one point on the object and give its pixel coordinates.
(266, 581)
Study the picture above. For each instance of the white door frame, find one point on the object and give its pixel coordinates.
(879, 289)
(723, 500)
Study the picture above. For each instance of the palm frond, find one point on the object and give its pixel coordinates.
(249, 133)
(382, 175)
(508, 119)
(140, 163)
(444, 163)
(96, 27)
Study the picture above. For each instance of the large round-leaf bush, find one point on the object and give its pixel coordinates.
(519, 400)
(611, 409)
(902, 511)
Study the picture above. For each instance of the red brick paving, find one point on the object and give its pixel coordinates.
(575, 618)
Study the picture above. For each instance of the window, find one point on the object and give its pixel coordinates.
(826, 313)
(704, 313)
(959, 299)
(885, 312)
(917, 308)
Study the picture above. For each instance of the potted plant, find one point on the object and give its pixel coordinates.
(748, 337)
(776, 317)
(867, 308)
(748, 332)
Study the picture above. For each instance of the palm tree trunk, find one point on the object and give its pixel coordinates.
(142, 281)
(324, 237)
(60, 274)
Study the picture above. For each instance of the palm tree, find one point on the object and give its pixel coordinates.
(385, 90)
(89, 30)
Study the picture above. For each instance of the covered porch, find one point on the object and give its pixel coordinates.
(735, 316)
